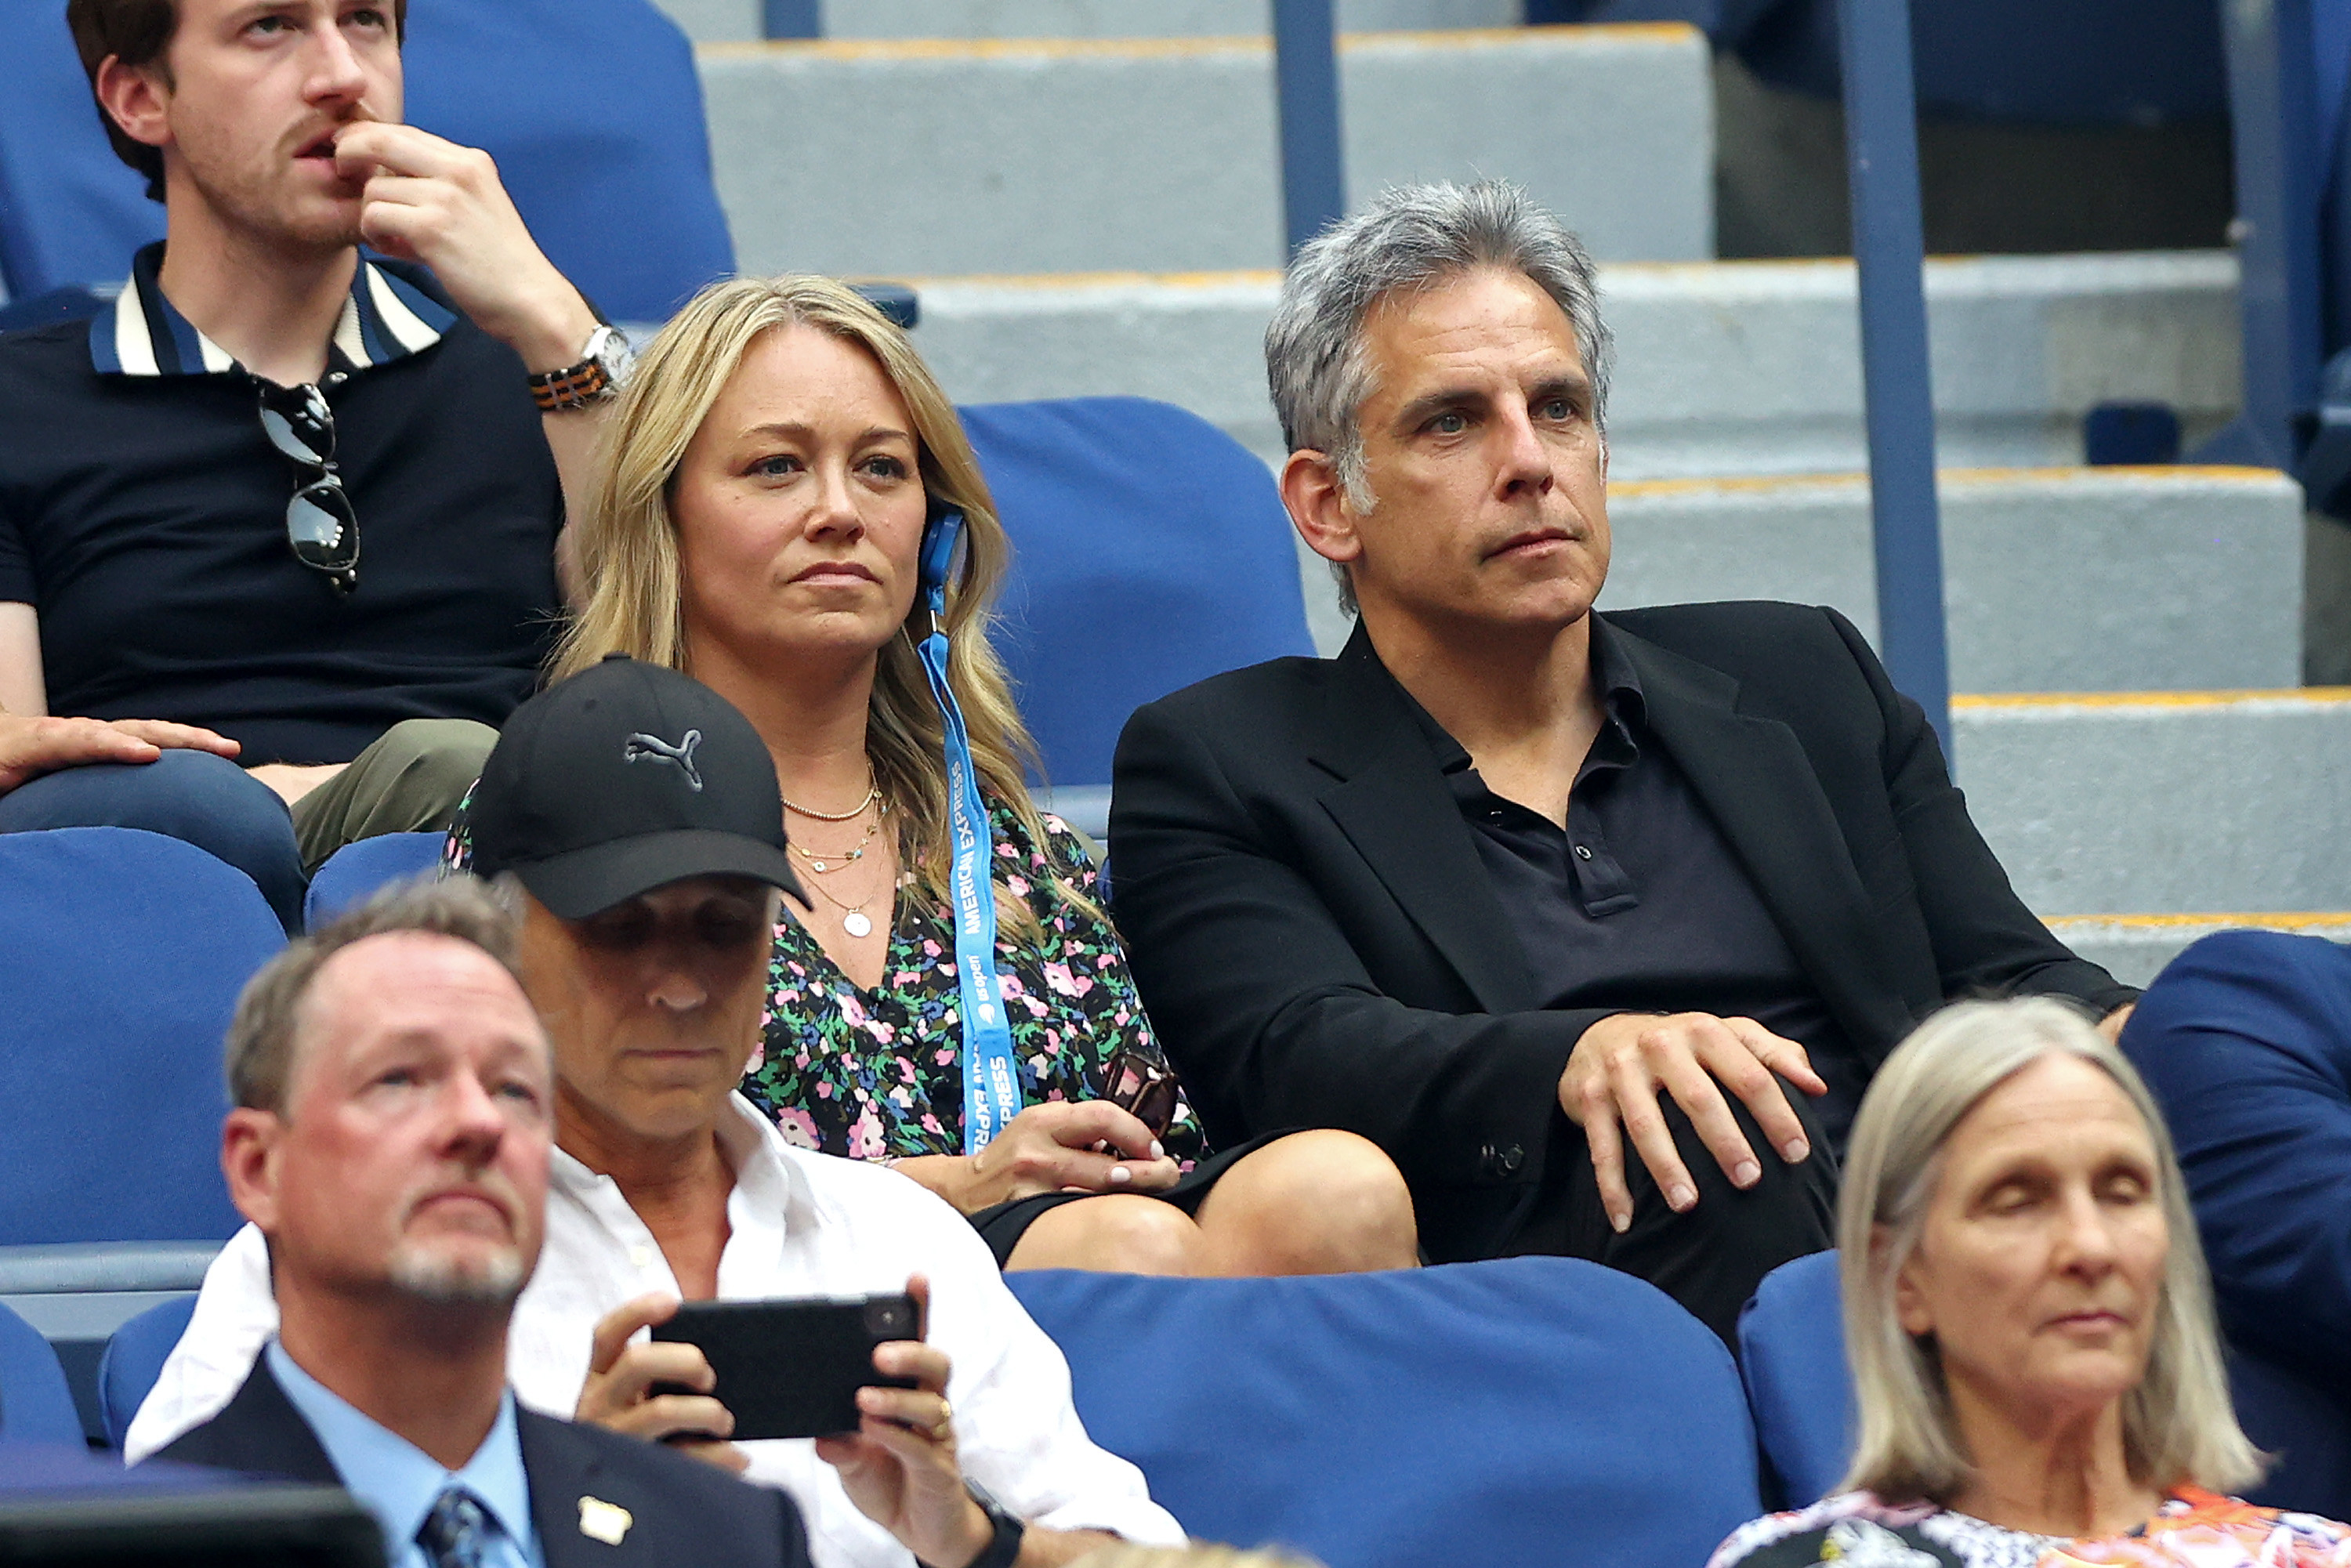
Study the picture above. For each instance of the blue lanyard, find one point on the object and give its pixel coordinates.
(991, 1087)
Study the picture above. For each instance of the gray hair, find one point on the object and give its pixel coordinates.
(2178, 1423)
(260, 1054)
(1411, 238)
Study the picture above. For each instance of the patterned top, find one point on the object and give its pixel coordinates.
(878, 1074)
(2193, 1529)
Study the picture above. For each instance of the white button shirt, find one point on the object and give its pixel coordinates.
(801, 1224)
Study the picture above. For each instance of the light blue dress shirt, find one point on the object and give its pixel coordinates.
(398, 1483)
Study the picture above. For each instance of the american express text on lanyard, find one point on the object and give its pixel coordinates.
(991, 1085)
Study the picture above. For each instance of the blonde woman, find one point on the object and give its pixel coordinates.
(2035, 1362)
(762, 499)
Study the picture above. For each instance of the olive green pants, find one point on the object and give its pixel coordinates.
(412, 780)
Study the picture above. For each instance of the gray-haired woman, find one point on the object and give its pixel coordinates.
(2035, 1363)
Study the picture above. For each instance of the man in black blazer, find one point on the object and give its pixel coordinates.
(1509, 883)
(394, 1114)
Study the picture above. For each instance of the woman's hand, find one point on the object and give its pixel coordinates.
(899, 1467)
(1087, 1145)
(619, 1396)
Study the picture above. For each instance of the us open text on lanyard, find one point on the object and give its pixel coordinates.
(991, 1086)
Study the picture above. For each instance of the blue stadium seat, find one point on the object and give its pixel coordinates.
(1792, 1353)
(1150, 550)
(592, 107)
(121, 954)
(1355, 1416)
(353, 874)
(35, 1406)
(133, 1361)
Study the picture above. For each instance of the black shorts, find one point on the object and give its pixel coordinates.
(1002, 1225)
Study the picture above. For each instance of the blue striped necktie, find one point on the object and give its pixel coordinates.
(456, 1531)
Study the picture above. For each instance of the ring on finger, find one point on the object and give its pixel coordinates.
(944, 1427)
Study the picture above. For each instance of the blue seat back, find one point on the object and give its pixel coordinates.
(35, 1407)
(1150, 550)
(592, 107)
(1528, 1410)
(134, 1359)
(121, 954)
(355, 873)
(1792, 1353)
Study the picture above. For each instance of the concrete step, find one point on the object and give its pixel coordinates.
(1027, 156)
(2055, 579)
(2134, 948)
(714, 21)
(2164, 802)
(1726, 368)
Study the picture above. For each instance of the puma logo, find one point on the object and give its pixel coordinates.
(638, 747)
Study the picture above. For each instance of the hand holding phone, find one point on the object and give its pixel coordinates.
(660, 1393)
(791, 1367)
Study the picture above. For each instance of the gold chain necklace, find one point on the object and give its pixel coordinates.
(823, 862)
(872, 795)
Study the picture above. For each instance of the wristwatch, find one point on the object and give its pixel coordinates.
(603, 371)
(1003, 1549)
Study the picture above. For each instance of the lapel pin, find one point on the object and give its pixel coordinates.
(604, 1521)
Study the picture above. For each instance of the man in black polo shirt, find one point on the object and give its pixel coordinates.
(290, 494)
(1510, 885)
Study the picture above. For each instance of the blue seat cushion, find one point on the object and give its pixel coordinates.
(1531, 1409)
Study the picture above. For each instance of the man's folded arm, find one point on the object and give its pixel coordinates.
(1269, 1014)
(1985, 940)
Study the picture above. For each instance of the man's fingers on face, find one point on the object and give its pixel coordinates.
(380, 143)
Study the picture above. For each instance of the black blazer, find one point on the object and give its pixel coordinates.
(683, 1511)
(1319, 945)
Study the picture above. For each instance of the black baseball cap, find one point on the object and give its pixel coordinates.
(623, 778)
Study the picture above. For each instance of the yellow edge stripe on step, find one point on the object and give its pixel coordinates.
(1675, 32)
(2314, 696)
(2071, 474)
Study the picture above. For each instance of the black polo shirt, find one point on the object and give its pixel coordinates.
(142, 512)
(1639, 904)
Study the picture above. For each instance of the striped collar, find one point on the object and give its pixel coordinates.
(386, 318)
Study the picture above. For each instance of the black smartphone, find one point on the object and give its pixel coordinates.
(792, 1368)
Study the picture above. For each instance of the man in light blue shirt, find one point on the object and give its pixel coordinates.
(390, 1142)
(405, 1488)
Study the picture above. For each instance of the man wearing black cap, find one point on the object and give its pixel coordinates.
(637, 816)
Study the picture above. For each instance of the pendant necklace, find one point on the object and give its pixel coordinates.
(853, 918)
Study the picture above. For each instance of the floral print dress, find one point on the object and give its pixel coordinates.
(878, 1074)
(2192, 1528)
